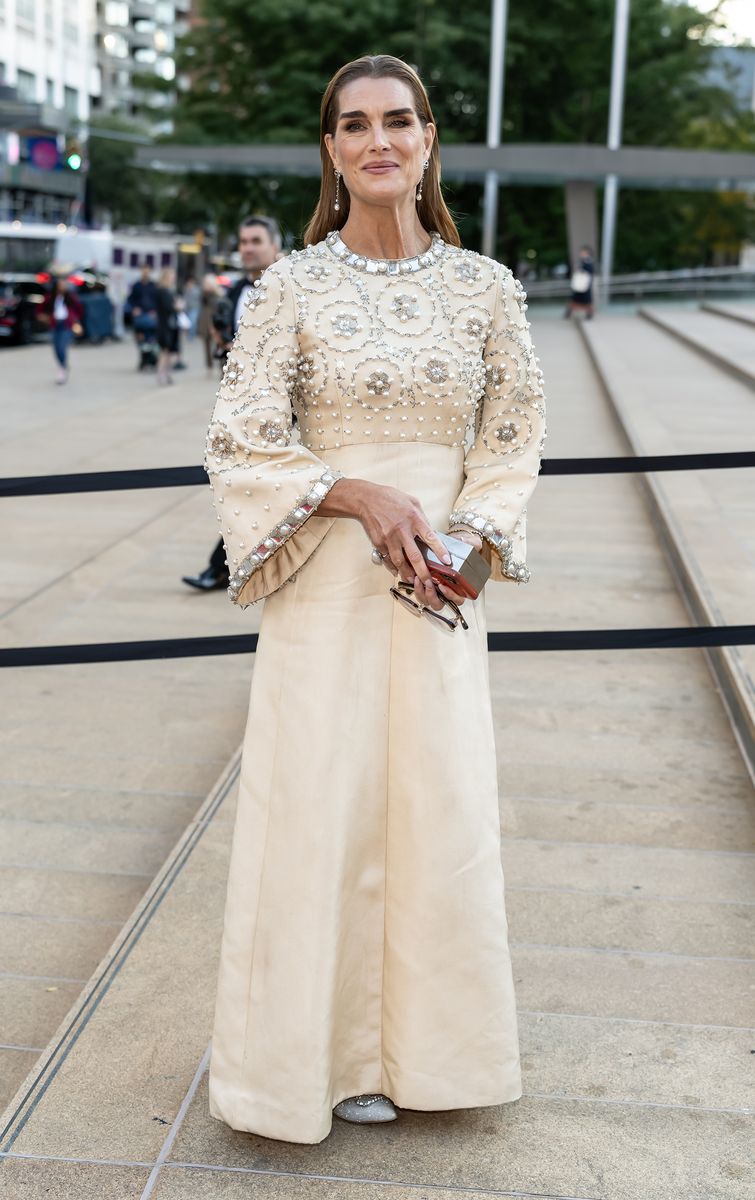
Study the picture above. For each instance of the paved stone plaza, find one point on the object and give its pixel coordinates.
(626, 806)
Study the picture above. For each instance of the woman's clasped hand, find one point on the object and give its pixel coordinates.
(395, 523)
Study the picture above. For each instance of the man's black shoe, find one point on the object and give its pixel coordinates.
(208, 580)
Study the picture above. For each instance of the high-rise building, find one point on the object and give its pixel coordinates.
(49, 77)
(136, 38)
(62, 63)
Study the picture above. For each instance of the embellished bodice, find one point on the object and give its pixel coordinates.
(386, 350)
(334, 349)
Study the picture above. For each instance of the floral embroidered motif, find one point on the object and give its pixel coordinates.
(497, 375)
(256, 295)
(405, 307)
(476, 327)
(379, 383)
(345, 324)
(436, 370)
(507, 432)
(317, 270)
(233, 372)
(305, 368)
(273, 431)
(221, 444)
(467, 270)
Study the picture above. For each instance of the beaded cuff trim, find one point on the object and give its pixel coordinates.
(499, 541)
(281, 532)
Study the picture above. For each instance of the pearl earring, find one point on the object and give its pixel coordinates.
(422, 180)
(338, 184)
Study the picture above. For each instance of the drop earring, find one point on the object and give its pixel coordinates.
(338, 185)
(422, 180)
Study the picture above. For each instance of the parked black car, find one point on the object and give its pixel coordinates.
(21, 299)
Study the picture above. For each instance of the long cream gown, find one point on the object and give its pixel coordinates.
(365, 942)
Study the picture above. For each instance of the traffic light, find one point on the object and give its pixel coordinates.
(74, 158)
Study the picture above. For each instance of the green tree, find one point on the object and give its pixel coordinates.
(256, 73)
(115, 186)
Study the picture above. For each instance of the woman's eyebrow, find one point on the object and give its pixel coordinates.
(392, 112)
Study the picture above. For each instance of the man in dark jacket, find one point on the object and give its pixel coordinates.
(259, 246)
(143, 295)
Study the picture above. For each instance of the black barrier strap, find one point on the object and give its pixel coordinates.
(151, 477)
(647, 462)
(246, 643)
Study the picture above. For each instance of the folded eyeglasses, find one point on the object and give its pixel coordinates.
(404, 593)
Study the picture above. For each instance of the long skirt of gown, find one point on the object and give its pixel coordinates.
(365, 941)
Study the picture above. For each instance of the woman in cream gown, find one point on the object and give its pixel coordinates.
(365, 943)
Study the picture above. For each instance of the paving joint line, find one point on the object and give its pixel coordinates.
(60, 920)
(633, 895)
(634, 953)
(533, 1012)
(629, 846)
(671, 808)
(41, 978)
(176, 1124)
(388, 1183)
(74, 870)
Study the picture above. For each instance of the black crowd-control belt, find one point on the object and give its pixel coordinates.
(151, 477)
(577, 639)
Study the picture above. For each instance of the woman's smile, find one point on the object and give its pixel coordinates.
(381, 167)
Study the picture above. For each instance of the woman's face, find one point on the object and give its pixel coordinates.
(379, 145)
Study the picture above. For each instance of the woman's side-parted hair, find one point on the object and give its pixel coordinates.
(431, 209)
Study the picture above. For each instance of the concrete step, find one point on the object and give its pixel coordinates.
(669, 401)
(733, 312)
(729, 347)
(134, 1054)
(102, 769)
(627, 823)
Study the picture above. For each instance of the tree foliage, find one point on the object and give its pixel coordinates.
(255, 72)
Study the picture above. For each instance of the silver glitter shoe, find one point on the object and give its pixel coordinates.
(366, 1110)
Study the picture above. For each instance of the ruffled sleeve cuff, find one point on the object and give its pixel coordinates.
(506, 554)
(285, 548)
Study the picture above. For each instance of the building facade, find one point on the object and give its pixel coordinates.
(136, 38)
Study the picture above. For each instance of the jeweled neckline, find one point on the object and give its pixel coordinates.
(385, 266)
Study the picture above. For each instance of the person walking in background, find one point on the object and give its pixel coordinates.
(260, 245)
(167, 324)
(191, 299)
(66, 315)
(208, 302)
(581, 299)
(142, 305)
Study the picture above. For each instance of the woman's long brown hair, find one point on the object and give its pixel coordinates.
(431, 209)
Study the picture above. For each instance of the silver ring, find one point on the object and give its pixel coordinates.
(377, 557)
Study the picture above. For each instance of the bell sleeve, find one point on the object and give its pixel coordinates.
(501, 466)
(266, 485)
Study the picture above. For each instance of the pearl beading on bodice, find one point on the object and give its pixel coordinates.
(336, 349)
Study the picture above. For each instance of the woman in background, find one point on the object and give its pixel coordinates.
(66, 314)
(167, 324)
(207, 305)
